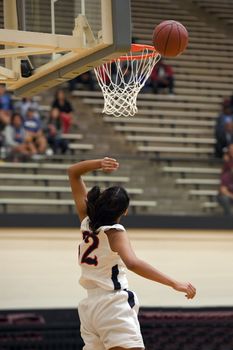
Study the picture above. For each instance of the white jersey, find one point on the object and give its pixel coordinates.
(100, 266)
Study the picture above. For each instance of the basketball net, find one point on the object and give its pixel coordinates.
(121, 79)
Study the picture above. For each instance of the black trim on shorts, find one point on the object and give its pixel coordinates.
(115, 273)
(131, 299)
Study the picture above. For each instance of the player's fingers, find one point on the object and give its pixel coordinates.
(192, 288)
(113, 163)
(109, 170)
(191, 295)
(107, 159)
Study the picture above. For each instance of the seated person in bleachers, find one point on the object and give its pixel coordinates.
(228, 102)
(66, 110)
(5, 119)
(5, 100)
(162, 77)
(26, 103)
(53, 133)
(228, 159)
(15, 138)
(85, 80)
(225, 197)
(34, 131)
(224, 137)
(225, 115)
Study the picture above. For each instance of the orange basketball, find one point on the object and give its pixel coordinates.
(170, 38)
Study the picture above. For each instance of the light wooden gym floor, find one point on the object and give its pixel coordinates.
(39, 269)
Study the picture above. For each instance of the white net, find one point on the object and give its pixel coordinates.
(122, 79)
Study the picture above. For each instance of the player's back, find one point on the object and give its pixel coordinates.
(101, 267)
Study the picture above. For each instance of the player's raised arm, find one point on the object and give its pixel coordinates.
(119, 242)
(77, 184)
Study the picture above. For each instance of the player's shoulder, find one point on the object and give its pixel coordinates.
(114, 227)
(85, 224)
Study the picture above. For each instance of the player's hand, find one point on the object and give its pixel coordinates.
(109, 164)
(187, 288)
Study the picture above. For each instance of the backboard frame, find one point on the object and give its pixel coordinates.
(80, 51)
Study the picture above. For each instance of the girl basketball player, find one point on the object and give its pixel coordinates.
(109, 313)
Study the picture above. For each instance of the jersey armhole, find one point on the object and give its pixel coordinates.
(116, 230)
(117, 227)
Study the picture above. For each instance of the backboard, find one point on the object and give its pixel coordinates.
(48, 42)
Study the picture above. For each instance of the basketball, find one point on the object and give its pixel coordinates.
(170, 38)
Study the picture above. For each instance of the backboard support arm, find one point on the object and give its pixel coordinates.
(79, 52)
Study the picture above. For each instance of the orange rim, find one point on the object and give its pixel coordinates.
(139, 48)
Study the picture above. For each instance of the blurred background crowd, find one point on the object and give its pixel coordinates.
(28, 134)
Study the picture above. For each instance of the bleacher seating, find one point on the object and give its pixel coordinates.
(223, 10)
(45, 202)
(171, 128)
(48, 190)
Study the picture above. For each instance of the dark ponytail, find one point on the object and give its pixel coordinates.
(106, 207)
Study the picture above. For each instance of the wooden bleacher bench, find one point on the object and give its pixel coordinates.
(34, 165)
(62, 202)
(209, 182)
(168, 104)
(80, 146)
(203, 65)
(155, 97)
(206, 193)
(145, 23)
(206, 78)
(44, 108)
(183, 150)
(208, 51)
(191, 170)
(138, 120)
(202, 91)
(204, 84)
(72, 136)
(54, 177)
(164, 114)
(156, 130)
(206, 71)
(209, 205)
(55, 189)
(188, 140)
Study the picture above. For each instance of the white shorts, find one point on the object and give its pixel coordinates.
(109, 319)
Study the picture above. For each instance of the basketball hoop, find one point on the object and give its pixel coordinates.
(121, 79)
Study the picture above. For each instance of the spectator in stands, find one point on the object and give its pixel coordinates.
(224, 136)
(54, 132)
(85, 80)
(34, 131)
(104, 76)
(225, 197)
(26, 103)
(162, 77)
(16, 140)
(228, 102)
(228, 159)
(64, 106)
(5, 100)
(4, 121)
(224, 116)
